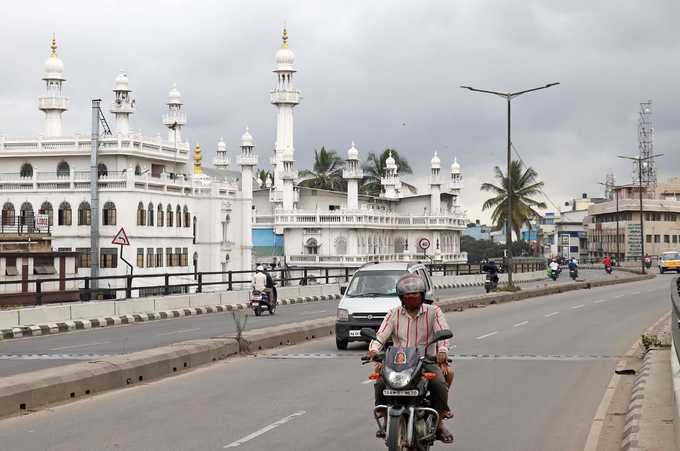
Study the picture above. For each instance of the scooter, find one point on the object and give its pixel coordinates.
(259, 301)
(608, 269)
(573, 273)
(554, 274)
(490, 283)
(408, 421)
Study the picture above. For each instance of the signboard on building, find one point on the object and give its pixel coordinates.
(565, 240)
(634, 241)
(42, 221)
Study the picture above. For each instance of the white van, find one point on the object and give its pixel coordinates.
(370, 294)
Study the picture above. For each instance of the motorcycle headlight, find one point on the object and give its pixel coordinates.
(343, 315)
(399, 379)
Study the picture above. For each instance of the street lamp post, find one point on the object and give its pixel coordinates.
(508, 96)
(640, 161)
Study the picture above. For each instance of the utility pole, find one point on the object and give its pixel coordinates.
(508, 220)
(94, 196)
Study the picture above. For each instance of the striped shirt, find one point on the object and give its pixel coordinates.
(406, 331)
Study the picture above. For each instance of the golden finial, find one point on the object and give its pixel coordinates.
(284, 44)
(197, 160)
(54, 45)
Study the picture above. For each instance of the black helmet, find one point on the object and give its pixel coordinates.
(410, 283)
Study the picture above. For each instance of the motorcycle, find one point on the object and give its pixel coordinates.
(608, 269)
(490, 283)
(573, 273)
(554, 274)
(409, 422)
(259, 301)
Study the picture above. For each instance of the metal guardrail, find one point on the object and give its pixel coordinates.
(169, 283)
(675, 323)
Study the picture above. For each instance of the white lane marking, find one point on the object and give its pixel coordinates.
(181, 331)
(264, 430)
(367, 381)
(312, 312)
(618, 296)
(523, 323)
(79, 346)
(600, 301)
(552, 314)
(490, 334)
(635, 292)
(577, 306)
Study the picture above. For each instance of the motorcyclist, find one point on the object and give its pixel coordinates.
(491, 268)
(263, 282)
(402, 325)
(572, 264)
(554, 266)
(607, 261)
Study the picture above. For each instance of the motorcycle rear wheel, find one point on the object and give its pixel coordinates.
(396, 434)
(258, 312)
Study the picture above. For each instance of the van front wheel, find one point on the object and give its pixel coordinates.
(341, 344)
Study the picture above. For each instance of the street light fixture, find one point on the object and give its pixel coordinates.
(640, 161)
(508, 96)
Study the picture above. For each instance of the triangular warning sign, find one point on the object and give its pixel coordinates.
(121, 238)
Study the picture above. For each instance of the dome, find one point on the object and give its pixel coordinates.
(353, 153)
(435, 162)
(174, 96)
(455, 167)
(221, 146)
(390, 162)
(247, 139)
(285, 58)
(54, 67)
(121, 83)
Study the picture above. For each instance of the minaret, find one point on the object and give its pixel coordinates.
(435, 186)
(53, 104)
(288, 176)
(284, 96)
(175, 118)
(221, 159)
(391, 180)
(123, 105)
(455, 184)
(352, 173)
(198, 167)
(248, 161)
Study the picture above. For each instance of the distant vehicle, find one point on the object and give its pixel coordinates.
(669, 261)
(371, 292)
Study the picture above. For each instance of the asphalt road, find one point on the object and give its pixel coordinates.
(32, 353)
(529, 376)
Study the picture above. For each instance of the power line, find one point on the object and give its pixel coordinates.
(512, 144)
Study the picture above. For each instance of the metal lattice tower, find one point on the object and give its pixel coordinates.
(646, 146)
(609, 184)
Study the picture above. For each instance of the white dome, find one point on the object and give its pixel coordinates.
(390, 162)
(455, 167)
(353, 153)
(174, 96)
(121, 83)
(285, 58)
(247, 139)
(435, 162)
(221, 146)
(54, 68)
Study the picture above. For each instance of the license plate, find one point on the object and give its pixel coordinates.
(355, 333)
(388, 392)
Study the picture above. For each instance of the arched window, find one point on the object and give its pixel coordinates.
(84, 214)
(141, 214)
(109, 214)
(160, 216)
(138, 170)
(26, 214)
(64, 214)
(8, 214)
(179, 216)
(46, 209)
(187, 217)
(150, 213)
(63, 169)
(399, 245)
(102, 171)
(26, 170)
(312, 246)
(341, 245)
(169, 216)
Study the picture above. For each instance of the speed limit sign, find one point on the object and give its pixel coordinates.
(424, 243)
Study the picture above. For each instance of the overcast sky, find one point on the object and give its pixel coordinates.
(379, 73)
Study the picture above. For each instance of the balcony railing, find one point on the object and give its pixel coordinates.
(367, 218)
(52, 103)
(360, 259)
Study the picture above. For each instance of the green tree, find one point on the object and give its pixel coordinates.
(326, 173)
(375, 168)
(525, 185)
(262, 175)
(479, 250)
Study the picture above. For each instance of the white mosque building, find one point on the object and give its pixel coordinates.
(181, 217)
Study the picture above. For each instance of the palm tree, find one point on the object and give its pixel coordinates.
(525, 185)
(262, 175)
(374, 169)
(326, 173)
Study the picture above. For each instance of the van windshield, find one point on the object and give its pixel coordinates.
(671, 256)
(374, 283)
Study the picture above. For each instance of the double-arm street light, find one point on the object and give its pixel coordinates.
(640, 160)
(508, 96)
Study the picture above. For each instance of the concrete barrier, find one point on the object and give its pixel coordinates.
(289, 292)
(45, 314)
(92, 310)
(233, 297)
(9, 319)
(310, 290)
(24, 392)
(130, 307)
(288, 334)
(330, 289)
(201, 299)
(171, 303)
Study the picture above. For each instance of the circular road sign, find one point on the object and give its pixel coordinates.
(423, 243)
